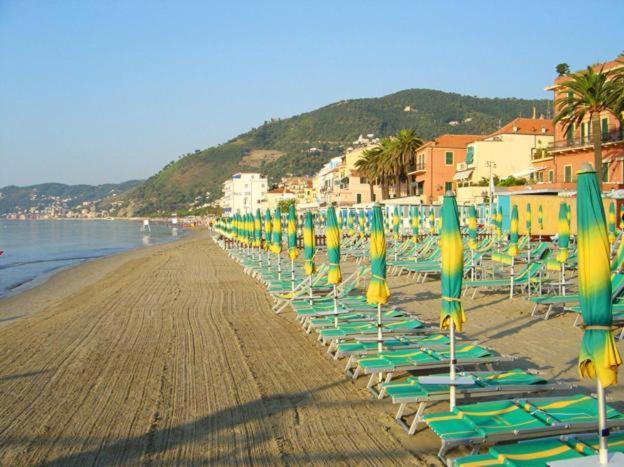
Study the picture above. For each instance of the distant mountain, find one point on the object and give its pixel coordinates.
(15, 199)
(300, 145)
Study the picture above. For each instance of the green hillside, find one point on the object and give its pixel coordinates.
(285, 143)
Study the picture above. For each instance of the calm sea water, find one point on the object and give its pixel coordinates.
(33, 250)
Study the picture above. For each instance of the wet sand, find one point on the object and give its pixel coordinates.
(171, 355)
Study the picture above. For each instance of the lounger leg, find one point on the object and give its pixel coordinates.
(475, 292)
(548, 311)
(417, 418)
(349, 363)
(575, 323)
(399, 414)
(534, 309)
(382, 389)
(371, 382)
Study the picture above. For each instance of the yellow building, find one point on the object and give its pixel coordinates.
(301, 187)
(273, 197)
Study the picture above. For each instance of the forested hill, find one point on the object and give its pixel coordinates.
(284, 146)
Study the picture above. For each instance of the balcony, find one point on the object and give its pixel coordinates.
(414, 168)
(613, 135)
(540, 154)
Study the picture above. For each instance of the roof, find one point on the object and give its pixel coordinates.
(451, 141)
(617, 63)
(526, 126)
(279, 191)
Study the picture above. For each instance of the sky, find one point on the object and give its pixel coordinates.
(107, 91)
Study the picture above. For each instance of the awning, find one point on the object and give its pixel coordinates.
(529, 171)
(463, 175)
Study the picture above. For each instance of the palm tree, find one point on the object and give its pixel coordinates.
(367, 164)
(587, 94)
(406, 144)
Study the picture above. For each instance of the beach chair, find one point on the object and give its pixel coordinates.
(524, 279)
(490, 423)
(368, 345)
(352, 330)
(485, 384)
(424, 358)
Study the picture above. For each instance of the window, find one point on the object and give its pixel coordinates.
(567, 173)
(570, 133)
(358, 198)
(605, 172)
(583, 132)
(470, 155)
(551, 176)
(363, 180)
(604, 126)
(374, 197)
(448, 186)
(448, 158)
(540, 177)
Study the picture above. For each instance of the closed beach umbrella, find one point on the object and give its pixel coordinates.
(350, 223)
(361, 223)
(513, 232)
(564, 233)
(268, 229)
(452, 314)
(334, 276)
(308, 244)
(276, 234)
(611, 222)
(339, 217)
(499, 221)
(431, 221)
(472, 228)
(396, 219)
(378, 291)
(622, 217)
(332, 234)
(258, 229)
(235, 226)
(599, 357)
(292, 233)
(415, 219)
(528, 224)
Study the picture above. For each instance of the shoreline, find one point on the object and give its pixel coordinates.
(43, 290)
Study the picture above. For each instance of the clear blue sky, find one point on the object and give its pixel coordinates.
(104, 91)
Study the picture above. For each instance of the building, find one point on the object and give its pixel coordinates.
(353, 187)
(556, 167)
(325, 180)
(243, 193)
(435, 164)
(274, 196)
(301, 187)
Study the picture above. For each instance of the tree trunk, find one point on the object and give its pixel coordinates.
(384, 190)
(397, 185)
(372, 191)
(597, 134)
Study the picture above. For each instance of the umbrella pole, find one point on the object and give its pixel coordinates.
(563, 284)
(279, 267)
(310, 288)
(603, 452)
(511, 288)
(472, 265)
(452, 392)
(335, 307)
(292, 274)
(379, 336)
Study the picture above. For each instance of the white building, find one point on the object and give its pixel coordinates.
(243, 193)
(325, 180)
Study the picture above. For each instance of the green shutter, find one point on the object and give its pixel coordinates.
(470, 155)
(604, 126)
(449, 158)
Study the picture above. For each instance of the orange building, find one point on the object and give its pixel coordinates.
(435, 164)
(556, 167)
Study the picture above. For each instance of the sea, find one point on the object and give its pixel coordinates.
(33, 250)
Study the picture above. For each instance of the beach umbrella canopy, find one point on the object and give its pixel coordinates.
(431, 220)
(564, 233)
(292, 233)
(350, 222)
(396, 219)
(378, 291)
(332, 235)
(452, 271)
(528, 224)
(258, 229)
(540, 217)
(308, 244)
(276, 234)
(513, 232)
(611, 222)
(339, 217)
(268, 229)
(472, 228)
(499, 221)
(361, 223)
(235, 226)
(415, 221)
(599, 358)
(622, 217)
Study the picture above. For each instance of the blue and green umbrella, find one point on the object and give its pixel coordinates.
(361, 223)
(599, 357)
(432, 228)
(563, 241)
(276, 234)
(540, 218)
(472, 228)
(350, 223)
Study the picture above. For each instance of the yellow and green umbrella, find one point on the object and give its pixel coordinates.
(292, 233)
(308, 244)
(452, 314)
(564, 233)
(513, 232)
(499, 221)
(395, 223)
(431, 221)
(529, 221)
(611, 222)
(268, 229)
(599, 357)
(258, 229)
(235, 226)
(622, 216)
(350, 223)
(276, 234)
(332, 234)
(378, 291)
(472, 228)
(415, 222)
(361, 223)
(540, 218)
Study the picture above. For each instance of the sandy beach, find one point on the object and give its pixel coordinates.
(172, 355)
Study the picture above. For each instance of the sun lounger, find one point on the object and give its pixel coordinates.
(485, 384)
(489, 423)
